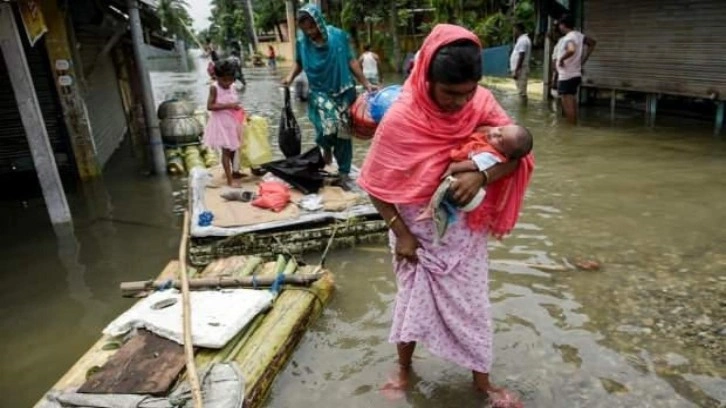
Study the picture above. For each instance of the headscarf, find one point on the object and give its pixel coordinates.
(412, 146)
(326, 65)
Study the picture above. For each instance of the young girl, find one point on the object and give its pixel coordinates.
(226, 116)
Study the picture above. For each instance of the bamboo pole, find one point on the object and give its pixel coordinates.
(129, 289)
(187, 318)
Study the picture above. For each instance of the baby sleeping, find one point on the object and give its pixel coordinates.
(486, 147)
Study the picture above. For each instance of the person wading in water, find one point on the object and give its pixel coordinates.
(330, 65)
(442, 300)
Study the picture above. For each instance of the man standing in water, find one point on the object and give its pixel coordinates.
(519, 60)
(369, 61)
(569, 65)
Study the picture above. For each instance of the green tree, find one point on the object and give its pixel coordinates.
(174, 16)
(269, 14)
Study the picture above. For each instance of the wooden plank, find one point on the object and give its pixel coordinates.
(29, 108)
(98, 354)
(146, 364)
(67, 81)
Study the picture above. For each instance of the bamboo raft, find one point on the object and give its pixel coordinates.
(261, 350)
(295, 239)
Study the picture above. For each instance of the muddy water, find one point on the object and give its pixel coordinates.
(647, 330)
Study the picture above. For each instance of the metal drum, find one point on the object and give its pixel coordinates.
(178, 123)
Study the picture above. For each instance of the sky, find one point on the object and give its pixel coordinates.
(200, 12)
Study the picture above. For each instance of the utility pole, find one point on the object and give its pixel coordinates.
(250, 17)
(290, 14)
(152, 123)
(32, 118)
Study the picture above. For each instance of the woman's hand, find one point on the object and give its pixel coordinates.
(466, 186)
(406, 246)
(370, 87)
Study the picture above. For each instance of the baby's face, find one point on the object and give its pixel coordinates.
(503, 139)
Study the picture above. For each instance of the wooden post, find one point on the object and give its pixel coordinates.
(181, 49)
(67, 82)
(152, 122)
(291, 31)
(250, 17)
(547, 63)
(651, 106)
(32, 118)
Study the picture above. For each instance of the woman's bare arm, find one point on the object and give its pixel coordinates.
(389, 213)
(501, 170)
(296, 70)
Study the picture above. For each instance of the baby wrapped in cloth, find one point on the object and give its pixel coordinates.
(486, 147)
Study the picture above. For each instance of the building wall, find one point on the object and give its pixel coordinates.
(15, 153)
(103, 98)
(657, 46)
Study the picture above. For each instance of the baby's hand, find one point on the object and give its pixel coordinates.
(482, 129)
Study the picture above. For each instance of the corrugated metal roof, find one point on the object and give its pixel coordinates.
(658, 46)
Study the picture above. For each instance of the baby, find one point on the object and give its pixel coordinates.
(486, 147)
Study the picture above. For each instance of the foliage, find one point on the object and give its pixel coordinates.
(498, 28)
(269, 14)
(495, 30)
(174, 16)
(228, 22)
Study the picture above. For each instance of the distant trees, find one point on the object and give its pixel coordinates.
(491, 20)
(174, 16)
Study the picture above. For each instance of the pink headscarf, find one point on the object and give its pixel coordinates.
(412, 146)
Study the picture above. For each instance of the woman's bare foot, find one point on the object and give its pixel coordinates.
(498, 397)
(503, 398)
(397, 384)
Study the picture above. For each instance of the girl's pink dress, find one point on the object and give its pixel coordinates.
(223, 126)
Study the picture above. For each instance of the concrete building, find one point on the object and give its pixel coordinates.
(656, 48)
(83, 70)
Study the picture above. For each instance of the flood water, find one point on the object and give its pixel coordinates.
(647, 330)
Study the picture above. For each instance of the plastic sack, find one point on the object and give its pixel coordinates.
(255, 149)
(362, 124)
(382, 100)
(304, 172)
(289, 138)
(272, 195)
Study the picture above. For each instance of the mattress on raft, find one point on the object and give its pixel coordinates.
(234, 218)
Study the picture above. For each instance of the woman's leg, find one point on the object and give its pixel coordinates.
(499, 397)
(343, 151)
(398, 382)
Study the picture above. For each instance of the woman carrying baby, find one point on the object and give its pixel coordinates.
(442, 300)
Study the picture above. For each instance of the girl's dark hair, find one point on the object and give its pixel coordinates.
(224, 68)
(214, 56)
(456, 63)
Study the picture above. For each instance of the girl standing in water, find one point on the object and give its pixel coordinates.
(225, 118)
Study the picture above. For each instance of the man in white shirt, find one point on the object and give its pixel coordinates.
(369, 62)
(519, 60)
(572, 56)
